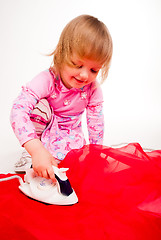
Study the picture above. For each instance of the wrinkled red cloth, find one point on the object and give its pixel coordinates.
(119, 192)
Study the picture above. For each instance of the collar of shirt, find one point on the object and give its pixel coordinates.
(61, 87)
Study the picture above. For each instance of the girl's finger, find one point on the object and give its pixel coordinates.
(51, 174)
(44, 174)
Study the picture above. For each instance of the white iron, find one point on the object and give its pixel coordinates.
(45, 190)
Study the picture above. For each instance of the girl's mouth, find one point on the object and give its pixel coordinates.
(79, 81)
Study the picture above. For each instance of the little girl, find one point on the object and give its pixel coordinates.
(69, 86)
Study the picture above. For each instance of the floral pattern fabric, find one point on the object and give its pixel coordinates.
(64, 132)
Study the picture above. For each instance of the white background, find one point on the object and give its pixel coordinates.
(29, 29)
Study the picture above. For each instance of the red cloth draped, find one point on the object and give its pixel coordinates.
(119, 192)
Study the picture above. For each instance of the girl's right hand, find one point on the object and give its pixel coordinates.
(42, 164)
(42, 159)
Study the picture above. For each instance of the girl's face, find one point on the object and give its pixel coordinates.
(82, 72)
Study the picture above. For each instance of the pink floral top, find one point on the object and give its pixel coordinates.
(64, 131)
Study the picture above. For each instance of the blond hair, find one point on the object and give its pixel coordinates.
(87, 37)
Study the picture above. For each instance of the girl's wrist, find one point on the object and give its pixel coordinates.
(33, 146)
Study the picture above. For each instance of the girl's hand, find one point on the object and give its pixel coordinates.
(42, 160)
(42, 164)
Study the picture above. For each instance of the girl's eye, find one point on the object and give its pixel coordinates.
(76, 65)
(94, 71)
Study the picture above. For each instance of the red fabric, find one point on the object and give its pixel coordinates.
(119, 192)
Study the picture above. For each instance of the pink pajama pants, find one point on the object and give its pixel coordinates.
(41, 116)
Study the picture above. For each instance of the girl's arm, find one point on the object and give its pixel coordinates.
(95, 124)
(95, 117)
(40, 87)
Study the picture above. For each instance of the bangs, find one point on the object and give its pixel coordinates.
(91, 46)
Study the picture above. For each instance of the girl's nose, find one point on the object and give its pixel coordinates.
(84, 74)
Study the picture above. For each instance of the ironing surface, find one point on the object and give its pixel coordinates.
(119, 198)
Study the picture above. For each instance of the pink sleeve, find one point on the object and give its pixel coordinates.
(40, 87)
(95, 117)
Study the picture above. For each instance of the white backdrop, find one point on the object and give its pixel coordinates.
(132, 107)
